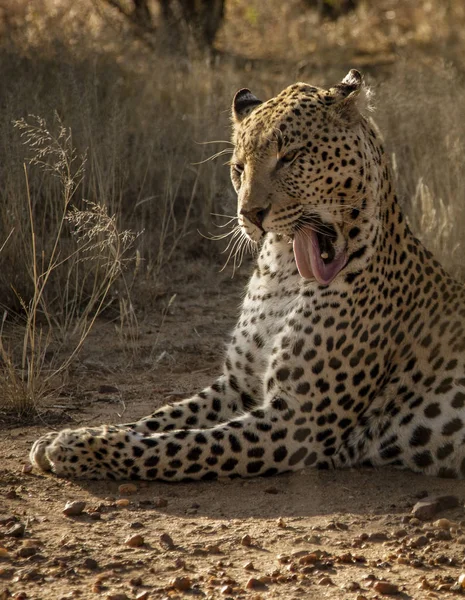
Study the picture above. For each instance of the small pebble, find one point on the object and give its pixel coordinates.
(384, 587)
(74, 508)
(26, 469)
(428, 507)
(246, 540)
(442, 559)
(16, 531)
(126, 489)
(443, 524)
(117, 596)
(309, 559)
(346, 558)
(226, 590)
(27, 551)
(425, 509)
(254, 584)
(419, 542)
(166, 541)
(181, 584)
(134, 541)
(400, 533)
(122, 502)
(417, 564)
(248, 566)
(142, 595)
(325, 581)
(90, 563)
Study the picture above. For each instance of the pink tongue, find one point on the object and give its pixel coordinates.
(308, 258)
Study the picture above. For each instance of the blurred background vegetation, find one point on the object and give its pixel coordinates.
(143, 84)
(136, 93)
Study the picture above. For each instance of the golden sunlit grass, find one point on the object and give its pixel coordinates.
(375, 33)
(131, 122)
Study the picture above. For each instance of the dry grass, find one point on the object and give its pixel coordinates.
(140, 118)
(423, 115)
(86, 253)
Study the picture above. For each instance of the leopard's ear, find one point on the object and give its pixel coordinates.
(352, 82)
(350, 98)
(243, 104)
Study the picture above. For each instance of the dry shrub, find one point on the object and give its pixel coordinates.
(85, 254)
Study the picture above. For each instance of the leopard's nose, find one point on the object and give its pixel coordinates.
(256, 215)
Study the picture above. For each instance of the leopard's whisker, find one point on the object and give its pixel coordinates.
(235, 234)
(216, 237)
(223, 216)
(232, 247)
(215, 142)
(216, 155)
(227, 224)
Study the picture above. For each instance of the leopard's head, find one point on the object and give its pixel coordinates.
(307, 166)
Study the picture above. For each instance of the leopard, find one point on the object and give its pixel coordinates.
(349, 347)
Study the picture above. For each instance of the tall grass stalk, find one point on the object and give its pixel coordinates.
(86, 245)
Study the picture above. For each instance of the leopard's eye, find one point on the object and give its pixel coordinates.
(289, 156)
(238, 168)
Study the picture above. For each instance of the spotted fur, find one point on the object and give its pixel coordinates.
(366, 369)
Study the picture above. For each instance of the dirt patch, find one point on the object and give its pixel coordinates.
(311, 534)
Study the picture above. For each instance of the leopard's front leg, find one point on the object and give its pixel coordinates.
(220, 402)
(262, 442)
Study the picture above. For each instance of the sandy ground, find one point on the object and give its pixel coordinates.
(310, 534)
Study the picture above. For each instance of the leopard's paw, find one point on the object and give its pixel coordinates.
(38, 453)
